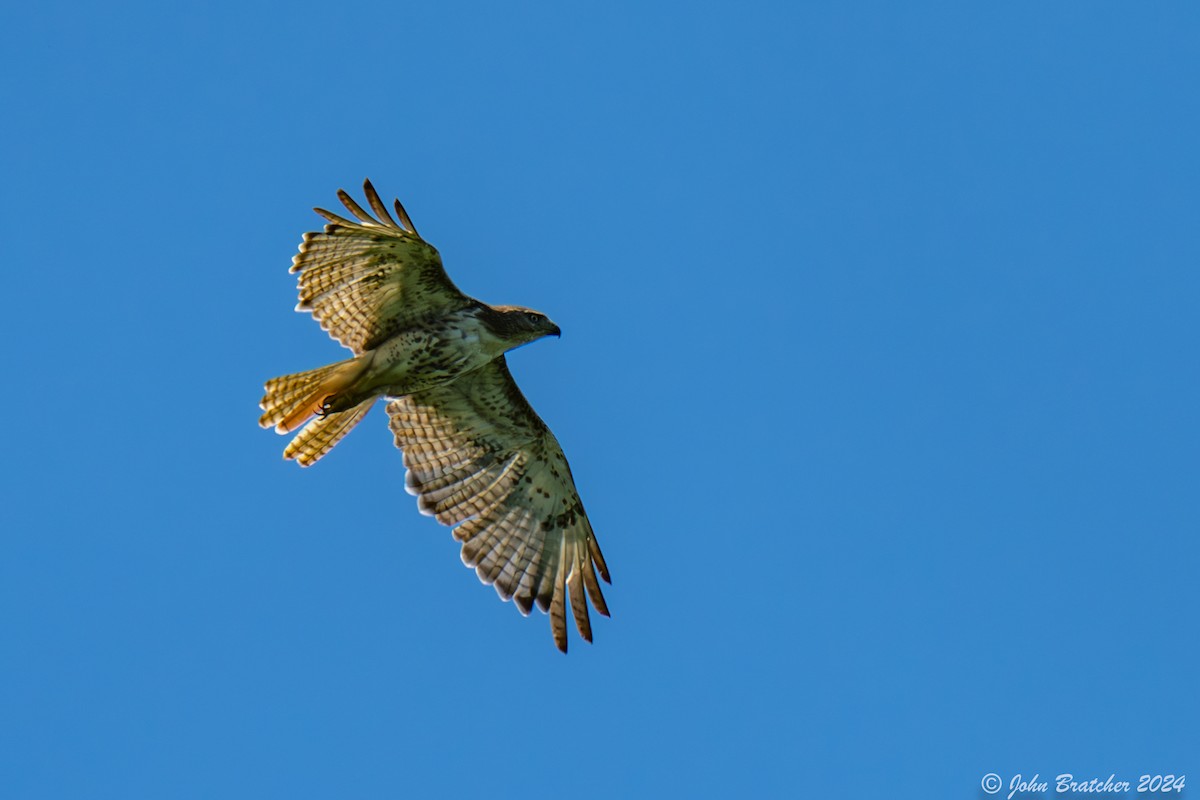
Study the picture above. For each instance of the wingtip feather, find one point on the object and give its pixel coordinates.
(405, 219)
(579, 607)
(355, 209)
(378, 206)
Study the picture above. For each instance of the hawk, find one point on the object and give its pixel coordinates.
(477, 455)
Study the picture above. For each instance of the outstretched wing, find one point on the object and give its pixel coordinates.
(479, 457)
(363, 280)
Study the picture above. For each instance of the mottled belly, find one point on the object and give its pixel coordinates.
(419, 359)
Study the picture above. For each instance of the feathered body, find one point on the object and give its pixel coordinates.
(477, 455)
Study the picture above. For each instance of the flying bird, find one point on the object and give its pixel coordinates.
(477, 455)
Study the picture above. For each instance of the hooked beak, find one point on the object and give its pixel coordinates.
(555, 330)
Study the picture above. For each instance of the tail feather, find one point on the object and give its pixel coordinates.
(319, 436)
(285, 393)
(291, 399)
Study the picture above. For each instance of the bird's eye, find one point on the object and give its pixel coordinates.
(534, 317)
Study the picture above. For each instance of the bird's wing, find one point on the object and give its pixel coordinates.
(479, 457)
(362, 280)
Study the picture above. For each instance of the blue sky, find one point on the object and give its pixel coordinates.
(878, 379)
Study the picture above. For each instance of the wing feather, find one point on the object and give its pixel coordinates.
(362, 281)
(332, 217)
(378, 207)
(558, 602)
(404, 218)
(355, 208)
(579, 603)
(478, 457)
(593, 585)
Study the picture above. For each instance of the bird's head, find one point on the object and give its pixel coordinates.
(518, 325)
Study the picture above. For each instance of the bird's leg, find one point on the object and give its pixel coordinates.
(337, 403)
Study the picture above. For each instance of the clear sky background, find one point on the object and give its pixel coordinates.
(878, 379)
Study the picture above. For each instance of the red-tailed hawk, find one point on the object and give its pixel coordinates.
(477, 455)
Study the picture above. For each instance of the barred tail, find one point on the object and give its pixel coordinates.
(319, 436)
(291, 399)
